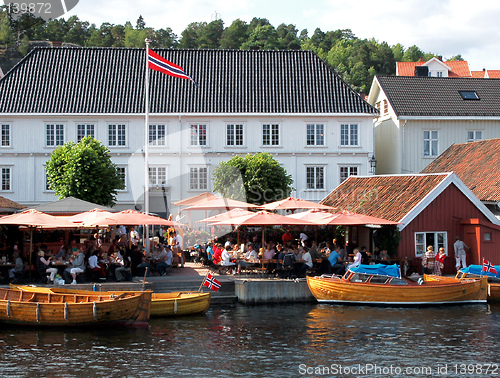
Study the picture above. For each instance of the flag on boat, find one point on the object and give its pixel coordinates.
(211, 282)
(158, 63)
(488, 267)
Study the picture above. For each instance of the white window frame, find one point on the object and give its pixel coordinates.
(274, 133)
(477, 135)
(350, 171)
(429, 142)
(237, 139)
(57, 137)
(316, 170)
(420, 242)
(154, 134)
(317, 137)
(124, 169)
(352, 140)
(5, 135)
(198, 179)
(155, 177)
(195, 139)
(88, 130)
(114, 141)
(5, 182)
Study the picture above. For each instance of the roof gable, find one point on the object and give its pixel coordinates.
(111, 81)
(455, 68)
(475, 164)
(399, 198)
(440, 97)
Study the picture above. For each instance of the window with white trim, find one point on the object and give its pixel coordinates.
(117, 135)
(157, 135)
(315, 134)
(347, 171)
(157, 175)
(315, 178)
(122, 172)
(474, 135)
(6, 179)
(436, 239)
(5, 130)
(198, 178)
(198, 135)
(271, 134)
(54, 135)
(234, 135)
(84, 130)
(431, 142)
(349, 135)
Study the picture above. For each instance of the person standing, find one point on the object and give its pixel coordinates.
(440, 262)
(460, 256)
(134, 236)
(429, 260)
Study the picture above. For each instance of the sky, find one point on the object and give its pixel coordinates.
(443, 27)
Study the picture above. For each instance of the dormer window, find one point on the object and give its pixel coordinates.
(469, 95)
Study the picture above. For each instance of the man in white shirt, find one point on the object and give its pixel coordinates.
(134, 236)
(303, 237)
(460, 255)
(251, 257)
(178, 247)
(307, 262)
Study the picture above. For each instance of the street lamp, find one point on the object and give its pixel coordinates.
(373, 164)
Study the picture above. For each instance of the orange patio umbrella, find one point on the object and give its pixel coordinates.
(292, 203)
(88, 215)
(348, 218)
(228, 215)
(200, 198)
(221, 203)
(263, 218)
(130, 218)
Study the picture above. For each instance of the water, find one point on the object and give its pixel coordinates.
(268, 341)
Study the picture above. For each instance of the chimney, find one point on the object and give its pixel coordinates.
(440, 58)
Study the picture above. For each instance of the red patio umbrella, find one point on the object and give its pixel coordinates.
(348, 218)
(200, 198)
(88, 215)
(221, 203)
(130, 218)
(228, 215)
(292, 203)
(263, 218)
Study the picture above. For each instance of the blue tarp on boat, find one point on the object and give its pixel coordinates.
(476, 269)
(378, 269)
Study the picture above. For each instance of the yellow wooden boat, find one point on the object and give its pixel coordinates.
(38, 308)
(476, 271)
(382, 285)
(162, 304)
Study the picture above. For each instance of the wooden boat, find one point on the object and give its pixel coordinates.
(383, 285)
(475, 271)
(162, 304)
(58, 309)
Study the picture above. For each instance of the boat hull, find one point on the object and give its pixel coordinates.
(162, 304)
(331, 290)
(52, 309)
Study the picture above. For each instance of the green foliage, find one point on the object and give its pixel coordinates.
(262, 38)
(234, 35)
(84, 170)
(388, 238)
(257, 178)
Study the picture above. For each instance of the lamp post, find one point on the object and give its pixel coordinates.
(373, 164)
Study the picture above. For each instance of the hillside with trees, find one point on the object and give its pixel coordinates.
(355, 60)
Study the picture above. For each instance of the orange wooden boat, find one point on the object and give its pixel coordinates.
(52, 309)
(369, 286)
(476, 271)
(162, 304)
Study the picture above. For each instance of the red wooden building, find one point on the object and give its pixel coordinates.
(432, 209)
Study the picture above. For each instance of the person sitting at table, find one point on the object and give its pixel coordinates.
(18, 266)
(217, 253)
(122, 272)
(336, 263)
(164, 262)
(227, 255)
(250, 258)
(143, 267)
(306, 259)
(77, 266)
(97, 270)
(384, 257)
(364, 255)
(43, 266)
(357, 259)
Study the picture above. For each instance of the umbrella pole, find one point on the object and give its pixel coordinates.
(31, 249)
(263, 238)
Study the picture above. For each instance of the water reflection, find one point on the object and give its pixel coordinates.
(259, 341)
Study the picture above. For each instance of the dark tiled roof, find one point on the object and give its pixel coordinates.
(387, 197)
(475, 164)
(440, 97)
(111, 80)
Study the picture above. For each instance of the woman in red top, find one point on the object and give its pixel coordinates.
(440, 261)
(217, 254)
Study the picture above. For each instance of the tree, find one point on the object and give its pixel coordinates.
(259, 178)
(209, 37)
(234, 35)
(84, 170)
(262, 38)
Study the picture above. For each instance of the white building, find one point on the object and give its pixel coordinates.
(287, 103)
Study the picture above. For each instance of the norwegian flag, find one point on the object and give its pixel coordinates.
(211, 282)
(488, 267)
(158, 63)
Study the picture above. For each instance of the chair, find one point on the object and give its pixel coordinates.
(19, 277)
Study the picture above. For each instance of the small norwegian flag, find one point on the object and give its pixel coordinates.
(488, 267)
(211, 282)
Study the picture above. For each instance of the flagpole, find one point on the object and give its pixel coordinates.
(146, 149)
(202, 282)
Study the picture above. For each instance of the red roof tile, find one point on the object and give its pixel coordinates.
(7, 204)
(387, 197)
(477, 74)
(494, 74)
(475, 164)
(459, 68)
